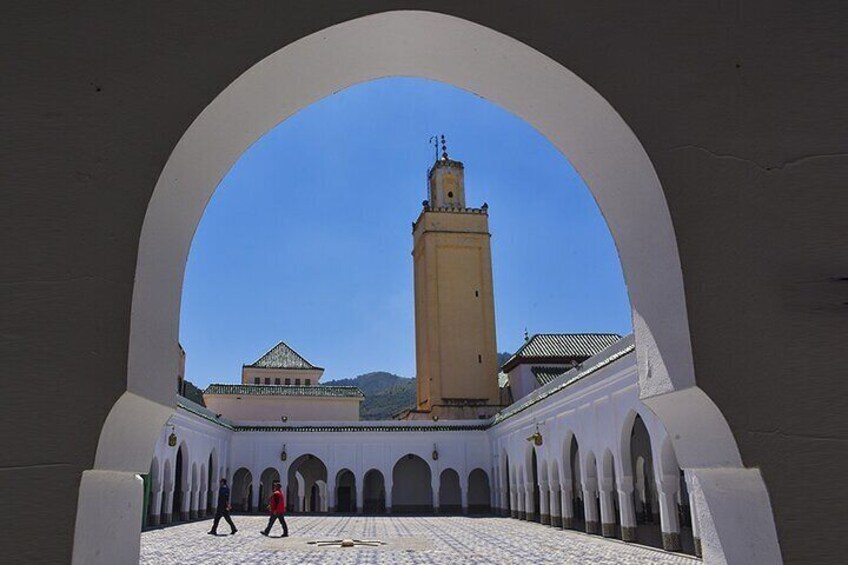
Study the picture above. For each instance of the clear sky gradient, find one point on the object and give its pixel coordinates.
(308, 238)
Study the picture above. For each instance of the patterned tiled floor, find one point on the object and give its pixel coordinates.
(410, 540)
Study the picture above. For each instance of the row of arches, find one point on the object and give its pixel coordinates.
(634, 493)
(411, 487)
(182, 489)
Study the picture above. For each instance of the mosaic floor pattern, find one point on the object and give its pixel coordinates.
(453, 540)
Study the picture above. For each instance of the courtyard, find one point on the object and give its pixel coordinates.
(406, 539)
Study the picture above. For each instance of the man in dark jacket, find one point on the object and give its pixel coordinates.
(223, 509)
(277, 508)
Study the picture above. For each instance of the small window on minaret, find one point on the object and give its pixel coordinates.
(450, 194)
(477, 293)
(256, 380)
(479, 358)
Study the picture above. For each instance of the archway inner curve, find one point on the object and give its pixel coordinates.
(575, 118)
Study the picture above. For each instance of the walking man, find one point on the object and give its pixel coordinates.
(277, 508)
(223, 509)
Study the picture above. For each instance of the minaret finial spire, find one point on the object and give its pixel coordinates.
(435, 141)
(444, 148)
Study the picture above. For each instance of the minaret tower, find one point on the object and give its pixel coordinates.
(456, 354)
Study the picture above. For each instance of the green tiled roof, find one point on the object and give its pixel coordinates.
(281, 356)
(545, 374)
(567, 379)
(286, 390)
(555, 348)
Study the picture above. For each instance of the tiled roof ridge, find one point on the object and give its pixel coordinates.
(284, 390)
(308, 364)
(535, 338)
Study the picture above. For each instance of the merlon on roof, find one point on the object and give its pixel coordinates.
(553, 348)
(328, 391)
(281, 356)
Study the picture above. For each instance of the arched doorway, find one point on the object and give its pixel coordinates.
(646, 501)
(167, 494)
(154, 504)
(534, 514)
(304, 473)
(241, 491)
(180, 507)
(374, 492)
(577, 120)
(412, 490)
(345, 491)
(577, 506)
(450, 492)
(591, 504)
(266, 481)
(479, 493)
(212, 479)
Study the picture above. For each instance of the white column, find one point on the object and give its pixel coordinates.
(214, 495)
(463, 494)
(330, 506)
(590, 506)
(554, 504)
(155, 505)
(185, 504)
(607, 508)
(435, 486)
(254, 497)
(168, 503)
(544, 503)
(201, 504)
(193, 499)
(388, 485)
(521, 502)
(529, 509)
(667, 495)
(360, 496)
(627, 509)
(693, 509)
(567, 504)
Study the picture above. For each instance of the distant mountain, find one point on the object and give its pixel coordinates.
(503, 358)
(386, 394)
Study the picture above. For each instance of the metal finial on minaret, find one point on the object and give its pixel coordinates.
(444, 148)
(526, 335)
(435, 141)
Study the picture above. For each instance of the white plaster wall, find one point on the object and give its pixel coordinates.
(272, 408)
(201, 438)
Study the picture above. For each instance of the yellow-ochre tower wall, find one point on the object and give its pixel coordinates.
(456, 349)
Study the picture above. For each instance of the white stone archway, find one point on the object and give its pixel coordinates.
(573, 116)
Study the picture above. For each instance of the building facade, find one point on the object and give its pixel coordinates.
(581, 452)
(282, 386)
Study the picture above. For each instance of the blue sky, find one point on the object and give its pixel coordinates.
(308, 237)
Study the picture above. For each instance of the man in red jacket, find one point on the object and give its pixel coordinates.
(277, 508)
